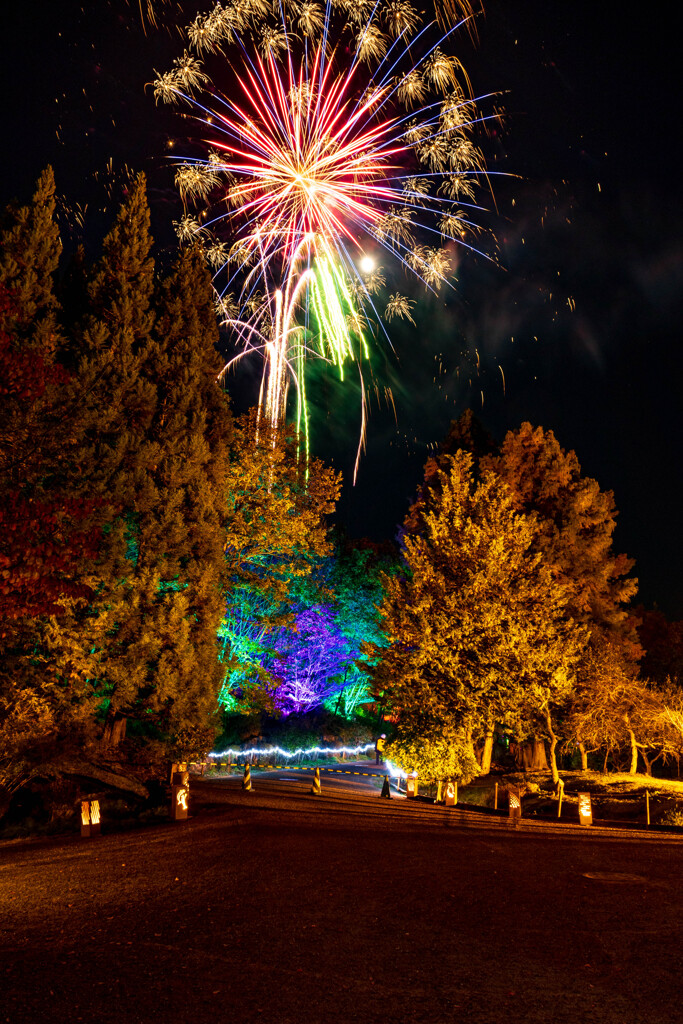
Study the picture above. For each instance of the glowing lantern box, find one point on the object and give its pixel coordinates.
(585, 809)
(451, 794)
(514, 803)
(411, 788)
(90, 817)
(180, 793)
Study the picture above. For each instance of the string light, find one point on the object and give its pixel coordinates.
(299, 752)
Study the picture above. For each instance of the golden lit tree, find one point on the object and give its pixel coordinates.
(478, 626)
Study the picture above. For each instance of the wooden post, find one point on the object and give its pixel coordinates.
(495, 797)
(647, 805)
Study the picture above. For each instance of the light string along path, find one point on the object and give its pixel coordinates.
(231, 752)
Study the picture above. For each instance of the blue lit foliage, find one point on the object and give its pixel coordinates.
(310, 660)
(354, 576)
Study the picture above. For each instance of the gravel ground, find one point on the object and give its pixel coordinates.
(277, 906)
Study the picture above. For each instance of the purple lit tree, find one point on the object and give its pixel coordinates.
(310, 661)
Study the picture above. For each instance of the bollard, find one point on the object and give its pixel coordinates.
(647, 806)
(585, 809)
(90, 818)
(411, 787)
(439, 797)
(316, 788)
(386, 791)
(451, 794)
(495, 796)
(560, 789)
(246, 781)
(514, 804)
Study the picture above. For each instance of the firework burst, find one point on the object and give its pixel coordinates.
(333, 134)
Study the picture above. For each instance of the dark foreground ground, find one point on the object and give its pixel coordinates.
(277, 906)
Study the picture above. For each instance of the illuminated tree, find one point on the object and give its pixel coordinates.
(48, 530)
(576, 522)
(310, 660)
(276, 533)
(436, 753)
(478, 628)
(157, 433)
(349, 583)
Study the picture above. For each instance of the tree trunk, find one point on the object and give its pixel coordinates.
(486, 752)
(531, 755)
(469, 743)
(584, 757)
(114, 731)
(553, 745)
(648, 766)
(634, 753)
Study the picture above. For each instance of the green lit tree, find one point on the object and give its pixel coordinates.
(277, 532)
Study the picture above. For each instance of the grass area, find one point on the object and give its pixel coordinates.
(617, 796)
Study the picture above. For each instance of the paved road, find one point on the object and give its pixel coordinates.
(277, 906)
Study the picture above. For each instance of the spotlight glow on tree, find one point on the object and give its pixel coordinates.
(333, 134)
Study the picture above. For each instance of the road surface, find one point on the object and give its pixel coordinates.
(282, 907)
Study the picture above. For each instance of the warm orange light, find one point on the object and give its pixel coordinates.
(585, 809)
(94, 812)
(85, 812)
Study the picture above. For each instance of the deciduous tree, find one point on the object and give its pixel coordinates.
(478, 626)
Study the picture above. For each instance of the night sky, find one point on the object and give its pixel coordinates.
(579, 328)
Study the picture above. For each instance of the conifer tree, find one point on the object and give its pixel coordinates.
(156, 454)
(46, 531)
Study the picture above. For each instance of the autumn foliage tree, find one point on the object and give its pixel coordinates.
(49, 529)
(477, 625)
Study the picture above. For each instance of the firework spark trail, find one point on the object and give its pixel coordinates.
(316, 154)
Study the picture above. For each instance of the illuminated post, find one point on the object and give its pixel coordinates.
(90, 818)
(439, 790)
(180, 792)
(411, 787)
(85, 817)
(495, 796)
(560, 790)
(451, 794)
(514, 803)
(585, 809)
(316, 788)
(647, 805)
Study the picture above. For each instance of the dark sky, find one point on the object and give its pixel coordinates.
(579, 332)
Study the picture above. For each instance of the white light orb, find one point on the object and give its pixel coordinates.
(367, 265)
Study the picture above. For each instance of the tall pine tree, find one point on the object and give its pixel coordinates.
(155, 454)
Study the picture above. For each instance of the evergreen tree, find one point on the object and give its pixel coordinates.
(156, 454)
(47, 535)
